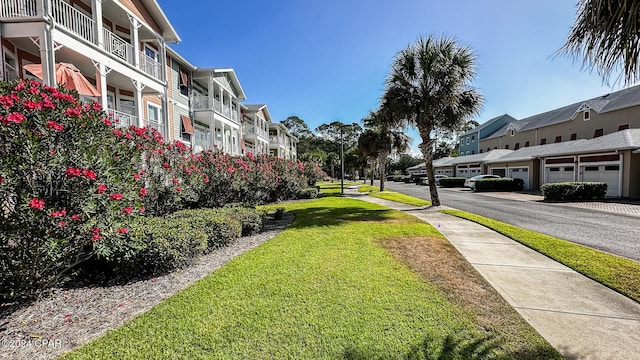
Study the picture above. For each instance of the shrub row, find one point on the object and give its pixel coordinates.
(156, 245)
(452, 182)
(73, 183)
(499, 184)
(568, 191)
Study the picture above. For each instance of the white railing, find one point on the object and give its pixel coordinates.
(200, 102)
(122, 119)
(234, 116)
(150, 66)
(75, 21)
(156, 125)
(17, 8)
(249, 130)
(217, 106)
(118, 46)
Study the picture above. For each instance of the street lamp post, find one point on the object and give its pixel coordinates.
(341, 162)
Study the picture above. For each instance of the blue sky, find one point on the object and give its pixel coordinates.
(327, 60)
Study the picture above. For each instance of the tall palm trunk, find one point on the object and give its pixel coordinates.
(381, 161)
(373, 170)
(427, 151)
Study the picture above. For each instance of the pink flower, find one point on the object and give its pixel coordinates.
(165, 165)
(36, 203)
(115, 196)
(89, 174)
(127, 210)
(106, 121)
(143, 192)
(66, 316)
(141, 209)
(62, 224)
(58, 213)
(6, 101)
(176, 181)
(76, 217)
(73, 172)
(52, 151)
(178, 188)
(72, 112)
(136, 177)
(101, 188)
(15, 117)
(1, 179)
(117, 132)
(96, 234)
(96, 106)
(122, 230)
(54, 125)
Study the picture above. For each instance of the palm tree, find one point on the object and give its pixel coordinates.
(429, 86)
(382, 138)
(605, 35)
(367, 146)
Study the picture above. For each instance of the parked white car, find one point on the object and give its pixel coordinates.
(471, 182)
(425, 181)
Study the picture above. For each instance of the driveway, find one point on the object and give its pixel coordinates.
(610, 232)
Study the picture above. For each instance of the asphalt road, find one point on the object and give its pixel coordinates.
(613, 233)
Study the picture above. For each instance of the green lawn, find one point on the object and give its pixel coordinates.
(401, 198)
(620, 274)
(368, 188)
(333, 188)
(322, 289)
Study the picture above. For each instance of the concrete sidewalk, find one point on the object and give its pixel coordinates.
(578, 316)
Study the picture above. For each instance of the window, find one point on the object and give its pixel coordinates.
(488, 149)
(586, 115)
(473, 138)
(468, 153)
(506, 146)
(598, 133)
(623, 127)
(612, 168)
(526, 144)
(591, 168)
(10, 67)
(480, 151)
(568, 168)
(150, 52)
(517, 146)
(473, 152)
(467, 140)
(543, 141)
(574, 136)
(153, 117)
(183, 83)
(558, 139)
(127, 107)
(513, 132)
(554, 169)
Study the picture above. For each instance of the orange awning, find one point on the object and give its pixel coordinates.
(184, 79)
(188, 127)
(69, 76)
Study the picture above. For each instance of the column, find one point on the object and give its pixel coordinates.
(133, 29)
(47, 57)
(101, 82)
(96, 14)
(137, 94)
(163, 59)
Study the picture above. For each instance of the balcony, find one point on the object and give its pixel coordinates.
(156, 125)
(84, 27)
(122, 119)
(202, 102)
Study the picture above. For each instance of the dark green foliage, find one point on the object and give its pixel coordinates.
(499, 184)
(251, 220)
(452, 182)
(221, 228)
(155, 246)
(308, 193)
(569, 191)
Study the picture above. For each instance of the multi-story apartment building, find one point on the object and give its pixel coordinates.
(119, 46)
(470, 140)
(281, 142)
(256, 121)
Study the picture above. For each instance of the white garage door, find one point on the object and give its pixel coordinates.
(609, 174)
(520, 173)
(462, 173)
(556, 174)
(474, 171)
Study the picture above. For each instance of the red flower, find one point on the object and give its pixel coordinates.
(176, 181)
(62, 224)
(15, 117)
(206, 179)
(96, 234)
(165, 165)
(141, 209)
(136, 177)
(115, 196)
(101, 188)
(54, 125)
(52, 151)
(1, 179)
(96, 106)
(76, 217)
(59, 213)
(127, 210)
(143, 192)
(72, 112)
(178, 188)
(117, 132)
(31, 105)
(6, 101)
(106, 121)
(36, 204)
(66, 316)
(122, 230)
(89, 174)
(73, 172)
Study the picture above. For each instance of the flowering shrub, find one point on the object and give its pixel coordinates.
(72, 183)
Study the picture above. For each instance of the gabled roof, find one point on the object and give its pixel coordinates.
(258, 107)
(174, 55)
(168, 33)
(628, 139)
(610, 102)
(517, 125)
(532, 152)
(487, 123)
(445, 161)
(479, 158)
(205, 72)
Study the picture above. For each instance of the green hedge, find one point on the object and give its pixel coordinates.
(251, 220)
(499, 184)
(568, 191)
(220, 225)
(308, 193)
(156, 245)
(452, 182)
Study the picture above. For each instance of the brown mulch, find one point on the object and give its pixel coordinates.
(69, 318)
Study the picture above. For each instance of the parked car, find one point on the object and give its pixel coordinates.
(471, 182)
(425, 181)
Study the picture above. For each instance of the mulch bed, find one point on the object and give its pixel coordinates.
(68, 318)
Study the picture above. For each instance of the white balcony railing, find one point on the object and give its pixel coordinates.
(156, 125)
(74, 20)
(200, 102)
(150, 66)
(17, 8)
(118, 46)
(122, 119)
(217, 105)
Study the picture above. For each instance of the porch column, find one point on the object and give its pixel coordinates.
(163, 59)
(212, 131)
(96, 14)
(101, 82)
(133, 29)
(137, 94)
(47, 57)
